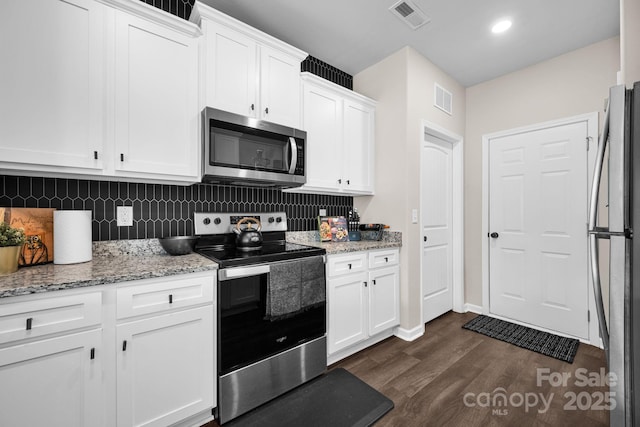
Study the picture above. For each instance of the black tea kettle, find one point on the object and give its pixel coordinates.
(249, 238)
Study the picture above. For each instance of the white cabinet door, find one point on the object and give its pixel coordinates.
(231, 70)
(156, 100)
(340, 128)
(358, 147)
(53, 382)
(279, 87)
(384, 299)
(347, 311)
(52, 84)
(165, 368)
(323, 124)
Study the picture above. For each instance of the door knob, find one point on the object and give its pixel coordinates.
(494, 235)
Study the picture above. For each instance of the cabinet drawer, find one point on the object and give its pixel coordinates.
(383, 258)
(154, 297)
(346, 264)
(44, 316)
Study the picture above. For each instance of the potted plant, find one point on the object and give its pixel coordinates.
(11, 241)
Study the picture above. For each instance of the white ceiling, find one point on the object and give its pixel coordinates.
(355, 34)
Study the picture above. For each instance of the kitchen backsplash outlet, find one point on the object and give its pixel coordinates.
(161, 210)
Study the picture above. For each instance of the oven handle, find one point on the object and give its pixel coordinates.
(239, 272)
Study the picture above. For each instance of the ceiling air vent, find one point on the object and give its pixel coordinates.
(409, 13)
(443, 99)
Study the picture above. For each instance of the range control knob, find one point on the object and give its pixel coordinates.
(279, 219)
(271, 219)
(206, 221)
(217, 221)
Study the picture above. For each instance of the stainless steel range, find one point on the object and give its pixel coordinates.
(271, 323)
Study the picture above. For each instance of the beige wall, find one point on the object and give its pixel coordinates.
(565, 86)
(630, 40)
(403, 85)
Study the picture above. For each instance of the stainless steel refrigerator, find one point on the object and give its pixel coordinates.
(620, 139)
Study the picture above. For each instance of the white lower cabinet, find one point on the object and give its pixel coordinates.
(53, 382)
(363, 303)
(52, 360)
(165, 340)
(164, 368)
(138, 353)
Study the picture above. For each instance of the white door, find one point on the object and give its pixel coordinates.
(358, 147)
(53, 382)
(437, 209)
(384, 299)
(537, 220)
(165, 370)
(323, 124)
(346, 311)
(156, 101)
(232, 77)
(279, 87)
(52, 83)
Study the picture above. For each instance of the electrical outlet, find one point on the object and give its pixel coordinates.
(124, 216)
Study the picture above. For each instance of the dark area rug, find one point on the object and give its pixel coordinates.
(555, 346)
(336, 399)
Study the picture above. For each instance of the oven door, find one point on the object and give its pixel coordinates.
(256, 315)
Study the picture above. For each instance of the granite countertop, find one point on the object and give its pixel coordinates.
(113, 261)
(125, 260)
(389, 239)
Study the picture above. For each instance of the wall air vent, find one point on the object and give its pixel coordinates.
(443, 99)
(409, 13)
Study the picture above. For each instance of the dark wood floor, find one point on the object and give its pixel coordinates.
(454, 377)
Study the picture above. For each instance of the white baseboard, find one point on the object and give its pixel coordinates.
(473, 308)
(409, 334)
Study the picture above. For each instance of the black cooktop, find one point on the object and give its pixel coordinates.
(222, 250)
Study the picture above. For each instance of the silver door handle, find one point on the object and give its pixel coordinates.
(294, 155)
(597, 290)
(597, 172)
(238, 272)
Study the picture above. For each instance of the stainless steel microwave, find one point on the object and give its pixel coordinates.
(241, 150)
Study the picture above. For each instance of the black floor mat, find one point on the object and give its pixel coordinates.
(551, 345)
(336, 399)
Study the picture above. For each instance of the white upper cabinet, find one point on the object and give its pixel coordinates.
(52, 84)
(248, 72)
(156, 100)
(230, 79)
(99, 89)
(280, 87)
(340, 139)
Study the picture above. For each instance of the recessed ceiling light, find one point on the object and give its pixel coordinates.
(501, 26)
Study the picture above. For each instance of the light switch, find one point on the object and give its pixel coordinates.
(414, 216)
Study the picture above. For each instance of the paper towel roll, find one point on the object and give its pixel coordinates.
(71, 237)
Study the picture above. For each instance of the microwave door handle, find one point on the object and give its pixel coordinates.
(293, 152)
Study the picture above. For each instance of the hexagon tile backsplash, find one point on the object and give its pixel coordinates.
(161, 210)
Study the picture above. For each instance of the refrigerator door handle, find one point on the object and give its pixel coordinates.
(597, 171)
(594, 232)
(597, 291)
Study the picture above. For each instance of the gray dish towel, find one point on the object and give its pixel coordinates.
(295, 286)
